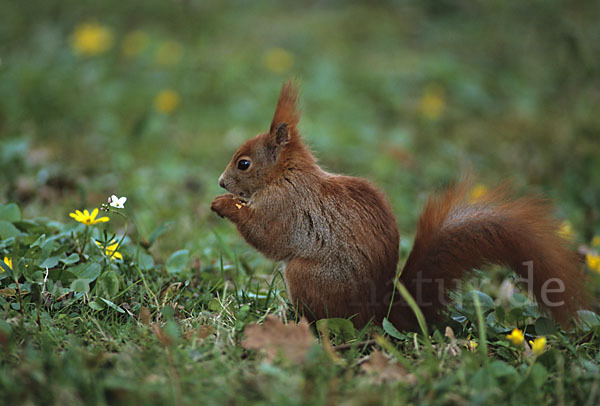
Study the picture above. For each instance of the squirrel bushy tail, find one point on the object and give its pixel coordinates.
(456, 235)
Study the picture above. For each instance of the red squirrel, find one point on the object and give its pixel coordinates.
(338, 239)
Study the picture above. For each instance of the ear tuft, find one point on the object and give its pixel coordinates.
(286, 111)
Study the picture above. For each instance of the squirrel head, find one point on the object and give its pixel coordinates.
(264, 158)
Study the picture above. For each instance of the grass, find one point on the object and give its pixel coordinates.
(411, 95)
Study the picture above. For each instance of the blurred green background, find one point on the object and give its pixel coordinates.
(149, 99)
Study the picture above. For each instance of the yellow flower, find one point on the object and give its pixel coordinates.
(593, 262)
(87, 218)
(110, 249)
(278, 60)
(478, 191)
(538, 345)
(134, 43)
(91, 39)
(516, 337)
(168, 53)
(566, 230)
(596, 241)
(7, 261)
(433, 102)
(166, 101)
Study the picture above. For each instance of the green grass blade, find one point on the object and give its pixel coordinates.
(481, 327)
(416, 310)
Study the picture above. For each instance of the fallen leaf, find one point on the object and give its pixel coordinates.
(205, 331)
(160, 335)
(453, 348)
(145, 315)
(200, 332)
(291, 341)
(382, 370)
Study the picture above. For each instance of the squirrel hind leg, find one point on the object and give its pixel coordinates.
(316, 296)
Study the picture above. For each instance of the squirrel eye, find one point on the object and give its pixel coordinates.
(243, 164)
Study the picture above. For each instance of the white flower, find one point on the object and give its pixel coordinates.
(117, 202)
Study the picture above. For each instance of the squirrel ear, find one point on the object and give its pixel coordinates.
(286, 115)
(282, 134)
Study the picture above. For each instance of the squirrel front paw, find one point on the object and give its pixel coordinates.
(221, 203)
(227, 205)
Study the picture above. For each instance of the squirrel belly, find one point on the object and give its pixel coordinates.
(343, 248)
(339, 237)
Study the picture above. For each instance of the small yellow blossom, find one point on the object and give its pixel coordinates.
(168, 53)
(516, 337)
(596, 241)
(91, 39)
(566, 230)
(134, 43)
(7, 261)
(538, 345)
(433, 102)
(477, 192)
(278, 60)
(87, 218)
(110, 249)
(593, 262)
(166, 101)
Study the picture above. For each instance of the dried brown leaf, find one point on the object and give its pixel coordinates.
(145, 315)
(382, 370)
(200, 332)
(160, 335)
(453, 348)
(291, 341)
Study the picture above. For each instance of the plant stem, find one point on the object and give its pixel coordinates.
(19, 296)
(138, 247)
(87, 235)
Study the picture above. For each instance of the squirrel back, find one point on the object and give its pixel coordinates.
(338, 237)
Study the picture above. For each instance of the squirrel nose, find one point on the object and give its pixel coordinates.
(221, 182)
